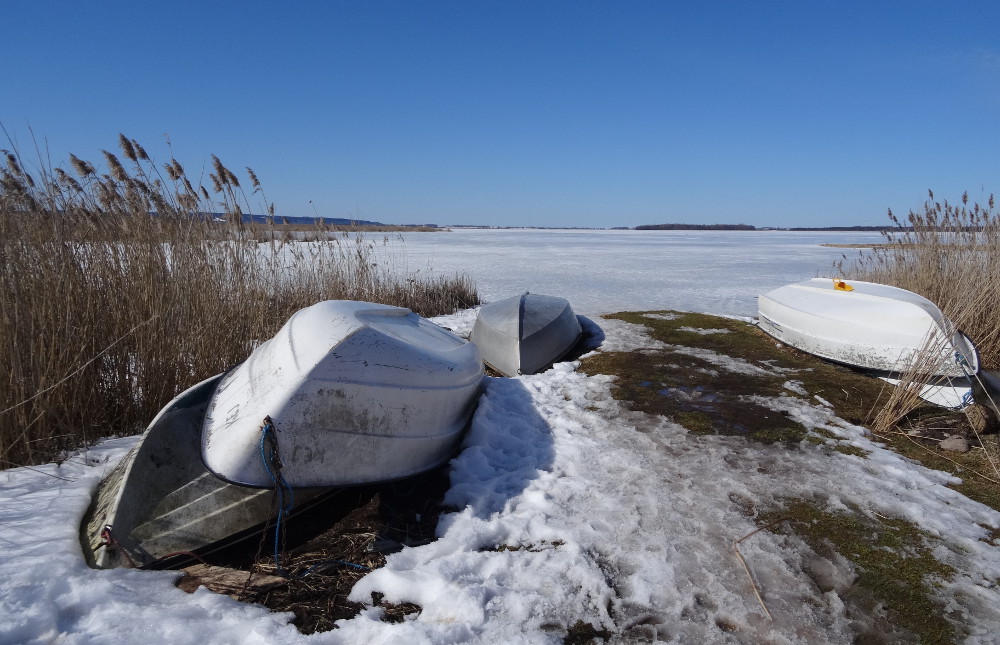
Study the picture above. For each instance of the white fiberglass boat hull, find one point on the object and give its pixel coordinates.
(953, 393)
(357, 392)
(872, 326)
(525, 334)
(160, 500)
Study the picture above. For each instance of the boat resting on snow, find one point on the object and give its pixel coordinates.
(525, 334)
(874, 327)
(160, 500)
(345, 393)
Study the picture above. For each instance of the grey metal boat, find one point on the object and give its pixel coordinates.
(160, 500)
(525, 334)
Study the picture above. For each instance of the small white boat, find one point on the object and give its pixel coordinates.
(357, 392)
(874, 327)
(525, 334)
(946, 392)
(352, 392)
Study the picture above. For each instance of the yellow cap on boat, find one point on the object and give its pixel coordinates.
(840, 285)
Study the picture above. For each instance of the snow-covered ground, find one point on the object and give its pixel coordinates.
(615, 518)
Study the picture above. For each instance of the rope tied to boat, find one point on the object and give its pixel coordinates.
(272, 464)
(108, 541)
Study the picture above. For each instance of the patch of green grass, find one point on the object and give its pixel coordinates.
(707, 398)
(698, 422)
(847, 449)
(892, 558)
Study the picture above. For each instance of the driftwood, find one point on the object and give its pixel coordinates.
(223, 580)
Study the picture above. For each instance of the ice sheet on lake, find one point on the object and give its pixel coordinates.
(600, 272)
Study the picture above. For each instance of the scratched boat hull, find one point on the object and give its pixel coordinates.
(160, 500)
(357, 392)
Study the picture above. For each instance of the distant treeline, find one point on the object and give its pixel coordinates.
(747, 227)
(695, 227)
(875, 229)
(336, 222)
(329, 221)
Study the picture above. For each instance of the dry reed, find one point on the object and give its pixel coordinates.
(120, 287)
(918, 373)
(947, 253)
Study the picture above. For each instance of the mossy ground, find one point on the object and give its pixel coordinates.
(707, 399)
(893, 558)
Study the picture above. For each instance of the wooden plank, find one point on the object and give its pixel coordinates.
(226, 581)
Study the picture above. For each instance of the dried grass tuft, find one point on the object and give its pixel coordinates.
(932, 359)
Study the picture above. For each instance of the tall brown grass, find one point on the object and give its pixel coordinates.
(951, 256)
(119, 288)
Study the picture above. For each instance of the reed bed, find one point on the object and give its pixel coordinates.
(951, 256)
(919, 372)
(122, 285)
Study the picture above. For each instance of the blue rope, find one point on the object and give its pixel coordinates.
(269, 457)
(281, 487)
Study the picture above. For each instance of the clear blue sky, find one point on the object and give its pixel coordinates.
(530, 113)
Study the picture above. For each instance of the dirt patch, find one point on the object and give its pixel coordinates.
(710, 392)
(326, 550)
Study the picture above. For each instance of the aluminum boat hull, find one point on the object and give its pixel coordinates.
(160, 500)
(525, 334)
(356, 393)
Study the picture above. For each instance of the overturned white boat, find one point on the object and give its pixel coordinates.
(875, 327)
(345, 393)
(525, 334)
(357, 393)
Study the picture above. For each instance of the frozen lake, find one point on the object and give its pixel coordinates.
(599, 272)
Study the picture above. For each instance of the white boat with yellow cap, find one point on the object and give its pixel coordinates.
(874, 327)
